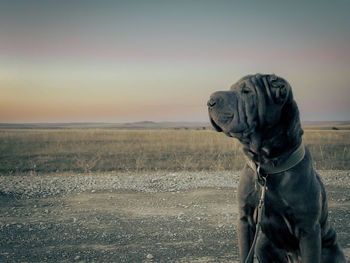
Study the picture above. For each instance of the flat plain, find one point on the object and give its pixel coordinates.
(138, 195)
(102, 150)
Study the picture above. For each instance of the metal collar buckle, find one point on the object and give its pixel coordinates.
(260, 176)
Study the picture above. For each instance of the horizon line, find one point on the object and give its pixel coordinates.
(143, 121)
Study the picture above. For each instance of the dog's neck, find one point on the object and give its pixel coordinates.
(273, 144)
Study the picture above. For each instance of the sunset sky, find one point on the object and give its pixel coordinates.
(120, 61)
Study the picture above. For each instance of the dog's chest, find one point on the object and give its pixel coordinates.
(278, 223)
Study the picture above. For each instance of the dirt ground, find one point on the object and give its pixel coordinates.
(125, 226)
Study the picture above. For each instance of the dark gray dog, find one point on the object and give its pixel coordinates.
(259, 110)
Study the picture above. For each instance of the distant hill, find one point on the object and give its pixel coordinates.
(150, 125)
(101, 125)
(325, 123)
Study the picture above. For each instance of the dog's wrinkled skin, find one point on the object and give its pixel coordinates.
(259, 110)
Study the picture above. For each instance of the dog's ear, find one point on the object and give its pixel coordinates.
(279, 89)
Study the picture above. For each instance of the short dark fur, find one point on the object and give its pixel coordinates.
(259, 110)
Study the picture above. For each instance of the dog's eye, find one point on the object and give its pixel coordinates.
(246, 91)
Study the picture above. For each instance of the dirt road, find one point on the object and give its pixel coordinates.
(115, 225)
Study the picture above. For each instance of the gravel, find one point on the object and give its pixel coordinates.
(169, 225)
(53, 185)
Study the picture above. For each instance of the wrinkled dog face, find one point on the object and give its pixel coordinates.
(251, 103)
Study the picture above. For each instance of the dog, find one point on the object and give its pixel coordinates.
(259, 110)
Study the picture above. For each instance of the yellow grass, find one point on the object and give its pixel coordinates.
(47, 151)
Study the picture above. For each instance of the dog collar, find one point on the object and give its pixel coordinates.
(296, 157)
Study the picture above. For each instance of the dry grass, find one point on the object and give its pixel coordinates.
(47, 151)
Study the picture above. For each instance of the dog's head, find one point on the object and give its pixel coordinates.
(254, 101)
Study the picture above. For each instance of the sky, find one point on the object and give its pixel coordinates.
(124, 61)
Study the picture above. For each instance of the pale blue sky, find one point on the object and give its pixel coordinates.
(160, 60)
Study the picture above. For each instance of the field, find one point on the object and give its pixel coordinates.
(99, 195)
(102, 150)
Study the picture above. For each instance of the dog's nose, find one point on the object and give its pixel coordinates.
(211, 103)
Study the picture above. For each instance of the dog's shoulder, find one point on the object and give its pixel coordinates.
(247, 191)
